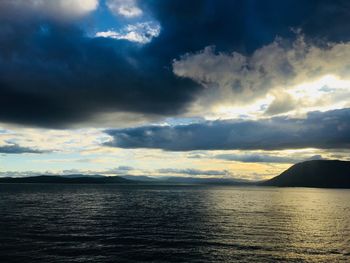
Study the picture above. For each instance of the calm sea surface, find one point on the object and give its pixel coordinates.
(111, 223)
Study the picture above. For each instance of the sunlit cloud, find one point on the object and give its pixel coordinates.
(279, 78)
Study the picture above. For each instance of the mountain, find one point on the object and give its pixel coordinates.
(127, 179)
(51, 179)
(83, 175)
(316, 173)
(185, 180)
(198, 180)
(140, 178)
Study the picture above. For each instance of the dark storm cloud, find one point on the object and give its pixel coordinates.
(52, 75)
(243, 25)
(16, 149)
(328, 20)
(319, 130)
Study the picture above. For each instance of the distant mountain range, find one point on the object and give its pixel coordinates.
(199, 180)
(127, 179)
(69, 179)
(317, 173)
(187, 180)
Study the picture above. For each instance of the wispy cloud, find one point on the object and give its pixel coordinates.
(140, 32)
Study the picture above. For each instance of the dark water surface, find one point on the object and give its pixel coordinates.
(111, 223)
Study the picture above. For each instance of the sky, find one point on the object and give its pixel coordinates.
(201, 88)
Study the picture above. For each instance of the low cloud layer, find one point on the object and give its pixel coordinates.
(324, 130)
(194, 172)
(263, 158)
(17, 149)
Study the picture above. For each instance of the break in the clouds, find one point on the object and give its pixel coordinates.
(325, 130)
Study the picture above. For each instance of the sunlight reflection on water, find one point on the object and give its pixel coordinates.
(111, 223)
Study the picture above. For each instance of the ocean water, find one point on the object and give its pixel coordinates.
(115, 223)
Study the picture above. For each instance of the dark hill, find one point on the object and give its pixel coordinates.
(50, 179)
(317, 173)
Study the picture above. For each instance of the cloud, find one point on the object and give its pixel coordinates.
(243, 26)
(58, 9)
(283, 102)
(324, 130)
(263, 158)
(16, 149)
(142, 32)
(47, 63)
(126, 8)
(193, 172)
(274, 70)
(74, 77)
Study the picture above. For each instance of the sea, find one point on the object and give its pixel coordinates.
(172, 223)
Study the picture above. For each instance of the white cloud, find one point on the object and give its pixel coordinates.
(140, 32)
(274, 79)
(126, 8)
(60, 9)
